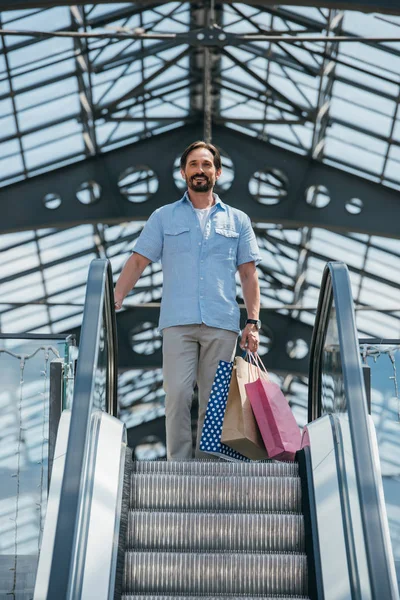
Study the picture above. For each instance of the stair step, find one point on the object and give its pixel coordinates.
(208, 597)
(215, 532)
(215, 467)
(191, 573)
(213, 493)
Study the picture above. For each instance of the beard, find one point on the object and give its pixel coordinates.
(203, 185)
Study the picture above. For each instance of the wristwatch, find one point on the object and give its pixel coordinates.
(255, 322)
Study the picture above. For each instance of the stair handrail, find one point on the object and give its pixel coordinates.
(336, 288)
(66, 569)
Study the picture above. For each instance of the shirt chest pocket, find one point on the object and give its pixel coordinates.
(226, 242)
(177, 240)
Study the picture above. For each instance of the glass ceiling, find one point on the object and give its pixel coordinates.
(65, 99)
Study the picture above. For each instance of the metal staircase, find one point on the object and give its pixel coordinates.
(205, 529)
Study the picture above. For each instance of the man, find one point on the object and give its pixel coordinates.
(201, 242)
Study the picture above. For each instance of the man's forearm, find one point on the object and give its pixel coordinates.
(251, 295)
(130, 274)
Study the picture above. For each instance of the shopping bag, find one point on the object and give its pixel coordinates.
(278, 427)
(210, 440)
(240, 430)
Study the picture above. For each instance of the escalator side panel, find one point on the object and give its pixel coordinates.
(356, 546)
(383, 512)
(105, 511)
(105, 473)
(331, 535)
(46, 550)
(311, 538)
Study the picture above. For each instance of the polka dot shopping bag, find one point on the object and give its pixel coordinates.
(210, 440)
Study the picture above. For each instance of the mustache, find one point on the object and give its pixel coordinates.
(199, 175)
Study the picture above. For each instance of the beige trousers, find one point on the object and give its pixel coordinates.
(191, 354)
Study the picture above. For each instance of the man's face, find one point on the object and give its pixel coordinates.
(200, 173)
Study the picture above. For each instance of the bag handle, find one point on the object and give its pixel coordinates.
(255, 360)
(259, 362)
(261, 367)
(250, 362)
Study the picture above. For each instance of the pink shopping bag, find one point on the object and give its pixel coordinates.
(277, 425)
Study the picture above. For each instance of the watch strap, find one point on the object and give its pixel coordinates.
(255, 322)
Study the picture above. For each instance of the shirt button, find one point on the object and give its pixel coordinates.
(199, 243)
(201, 278)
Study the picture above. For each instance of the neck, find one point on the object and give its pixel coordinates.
(201, 199)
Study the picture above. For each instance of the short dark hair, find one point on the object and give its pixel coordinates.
(200, 144)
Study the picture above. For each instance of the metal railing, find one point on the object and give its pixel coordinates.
(336, 292)
(70, 542)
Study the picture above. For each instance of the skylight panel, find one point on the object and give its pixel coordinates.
(9, 168)
(357, 139)
(47, 93)
(41, 50)
(392, 171)
(54, 151)
(26, 318)
(364, 159)
(384, 263)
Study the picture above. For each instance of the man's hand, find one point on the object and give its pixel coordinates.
(118, 303)
(250, 338)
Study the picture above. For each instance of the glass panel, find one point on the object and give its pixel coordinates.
(100, 382)
(24, 434)
(333, 398)
(384, 362)
(69, 375)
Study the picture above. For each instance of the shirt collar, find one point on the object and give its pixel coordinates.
(218, 201)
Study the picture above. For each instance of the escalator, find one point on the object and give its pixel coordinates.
(211, 528)
(145, 530)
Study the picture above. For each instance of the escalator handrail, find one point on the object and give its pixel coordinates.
(336, 287)
(98, 303)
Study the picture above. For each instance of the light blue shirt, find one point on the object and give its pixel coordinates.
(199, 269)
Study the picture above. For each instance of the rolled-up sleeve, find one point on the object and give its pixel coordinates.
(150, 242)
(247, 248)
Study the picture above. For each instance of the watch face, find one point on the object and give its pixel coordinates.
(254, 322)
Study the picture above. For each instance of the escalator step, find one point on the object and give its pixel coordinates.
(214, 467)
(240, 494)
(215, 532)
(191, 573)
(208, 597)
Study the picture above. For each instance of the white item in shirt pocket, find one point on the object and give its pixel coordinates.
(226, 242)
(230, 233)
(177, 240)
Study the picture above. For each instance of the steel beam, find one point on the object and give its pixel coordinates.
(282, 329)
(382, 6)
(379, 6)
(25, 210)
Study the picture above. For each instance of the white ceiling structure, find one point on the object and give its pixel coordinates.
(64, 99)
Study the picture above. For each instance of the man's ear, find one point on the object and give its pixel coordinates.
(183, 174)
(218, 173)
